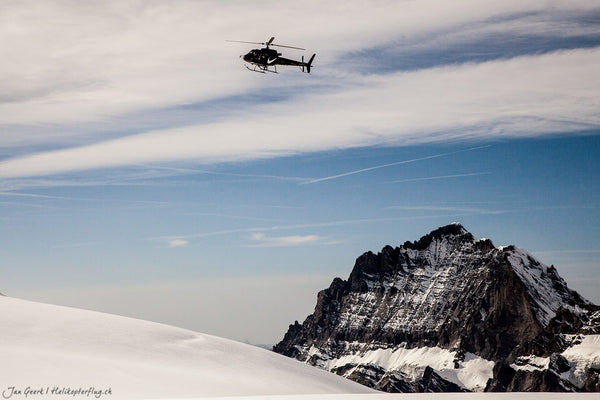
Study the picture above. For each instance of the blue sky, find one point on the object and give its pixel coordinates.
(144, 171)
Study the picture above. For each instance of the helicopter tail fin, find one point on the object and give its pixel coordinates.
(308, 64)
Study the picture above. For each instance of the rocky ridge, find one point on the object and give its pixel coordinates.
(450, 312)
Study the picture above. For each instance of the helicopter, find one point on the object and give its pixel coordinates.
(267, 59)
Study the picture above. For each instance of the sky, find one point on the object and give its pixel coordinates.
(145, 172)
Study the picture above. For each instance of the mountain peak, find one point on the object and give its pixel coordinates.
(451, 232)
(447, 291)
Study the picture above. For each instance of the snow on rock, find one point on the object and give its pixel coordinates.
(531, 363)
(472, 373)
(583, 356)
(56, 348)
(547, 289)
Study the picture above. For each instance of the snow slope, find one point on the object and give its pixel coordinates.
(51, 351)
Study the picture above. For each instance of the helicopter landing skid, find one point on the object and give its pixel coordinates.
(262, 70)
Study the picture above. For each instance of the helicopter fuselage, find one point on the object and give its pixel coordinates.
(263, 56)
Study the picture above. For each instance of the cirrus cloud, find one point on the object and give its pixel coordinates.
(287, 241)
(111, 59)
(520, 97)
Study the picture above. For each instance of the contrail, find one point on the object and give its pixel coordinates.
(440, 177)
(327, 178)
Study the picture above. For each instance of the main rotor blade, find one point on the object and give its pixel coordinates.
(269, 43)
(289, 47)
(242, 41)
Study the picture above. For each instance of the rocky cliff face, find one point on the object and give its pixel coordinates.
(448, 312)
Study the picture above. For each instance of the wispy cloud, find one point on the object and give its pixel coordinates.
(34, 195)
(72, 245)
(178, 243)
(228, 216)
(521, 97)
(454, 212)
(430, 208)
(130, 71)
(182, 170)
(129, 177)
(130, 65)
(287, 241)
(21, 204)
(86, 199)
(567, 252)
(584, 251)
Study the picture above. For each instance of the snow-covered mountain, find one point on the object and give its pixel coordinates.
(450, 312)
(62, 353)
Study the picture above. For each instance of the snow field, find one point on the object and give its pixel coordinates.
(44, 346)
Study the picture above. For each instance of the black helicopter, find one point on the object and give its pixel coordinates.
(265, 58)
